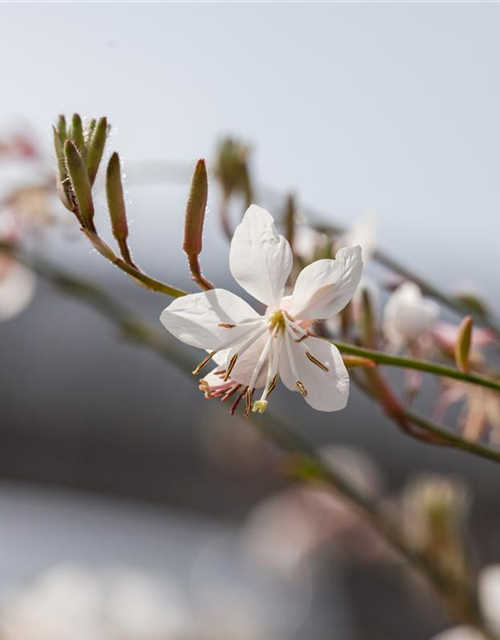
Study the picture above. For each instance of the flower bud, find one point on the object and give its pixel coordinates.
(463, 344)
(367, 320)
(62, 182)
(116, 203)
(232, 169)
(358, 361)
(435, 511)
(76, 133)
(80, 184)
(95, 147)
(195, 210)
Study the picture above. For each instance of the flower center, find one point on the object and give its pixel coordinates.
(277, 321)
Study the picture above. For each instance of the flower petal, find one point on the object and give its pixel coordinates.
(246, 363)
(196, 319)
(408, 314)
(260, 259)
(325, 287)
(326, 390)
(17, 288)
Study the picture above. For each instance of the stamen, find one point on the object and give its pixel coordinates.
(232, 343)
(302, 338)
(227, 326)
(204, 362)
(230, 367)
(237, 402)
(248, 408)
(301, 388)
(273, 384)
(260, 406)
(317, 362)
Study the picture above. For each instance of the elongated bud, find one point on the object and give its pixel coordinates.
(195, 211)
(462, 345)
(358, 361)
(95, 147)
(367, 320)
(289, 219)
(435, 512)
(193, 225)
(61, 128)
(61, 160)
(116, 202)
(232, 169)
(90, 131)
(76, 133)
(80, 184)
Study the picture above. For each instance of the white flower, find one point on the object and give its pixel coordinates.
(364, 233)
(253, 351)
(408, 315)
(17, 283)
(489, 599)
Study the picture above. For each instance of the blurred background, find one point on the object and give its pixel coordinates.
(119, 483)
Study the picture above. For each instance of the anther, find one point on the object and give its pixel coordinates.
(260, 406)
(302, 338)
(203, 363)
(227, 326)
(248, 407)
(301, 388)
(230, 367)
(316, 362)
(273, 384)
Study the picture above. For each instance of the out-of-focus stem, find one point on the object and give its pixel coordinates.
(310, 466)
(420, 365)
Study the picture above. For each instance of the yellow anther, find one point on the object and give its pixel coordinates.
(301, 388)
(260, 406)
(203, 363)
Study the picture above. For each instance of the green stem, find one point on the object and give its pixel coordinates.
(420, 365)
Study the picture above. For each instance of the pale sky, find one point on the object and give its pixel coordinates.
(390, 108)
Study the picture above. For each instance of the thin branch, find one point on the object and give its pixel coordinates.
(419, 365)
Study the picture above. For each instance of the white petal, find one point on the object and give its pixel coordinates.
(325, 287)
(460, 633)
(363, 233)
(195, 319)
(260, 259)
(408, 314)
(17, 288)
(489, 594)
(326, 391)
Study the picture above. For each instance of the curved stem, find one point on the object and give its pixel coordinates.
(420, 365)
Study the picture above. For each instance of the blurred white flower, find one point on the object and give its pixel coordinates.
(408, 316)
(489, 600)
(287, 529)
(253, 351)
(71, 602)
(363, 233)
(17, 283)
(481, 408)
